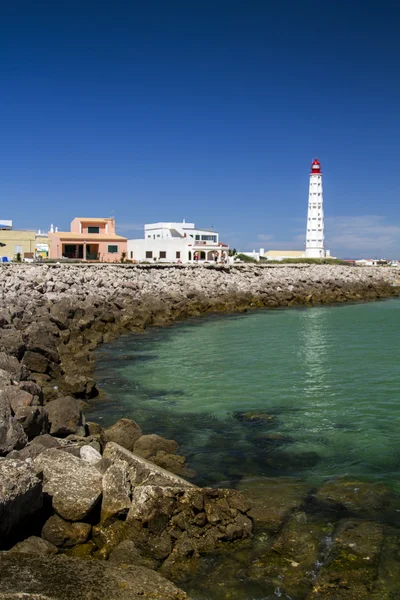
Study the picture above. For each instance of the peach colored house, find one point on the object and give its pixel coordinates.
(89, 239)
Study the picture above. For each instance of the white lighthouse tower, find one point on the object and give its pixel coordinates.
(315, 217)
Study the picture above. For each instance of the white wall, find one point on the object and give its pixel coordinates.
(137, 249)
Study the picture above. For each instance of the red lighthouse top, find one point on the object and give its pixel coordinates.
(315, 167)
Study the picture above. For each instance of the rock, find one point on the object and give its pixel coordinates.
(19, 398)
(65, 417)
(273, 499)
(20, 493)
(34, 389)
(11, 364)
(11, 342)
(5, 379)
(73, 485)
(107, 537)
(41, 338)
(124, 432)
(36, 362)
(12, 434)
(63, 533)
(117, 491)
(89, 454)
(173, 463)
(127, 553)
(142, 472)
(34, 545)
(358, 497)
(80, 386)
(63, 578)
(33, 419)
(46, 441)
(149, 445)
(254, 418)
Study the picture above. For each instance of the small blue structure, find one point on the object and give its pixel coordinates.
(4, 259)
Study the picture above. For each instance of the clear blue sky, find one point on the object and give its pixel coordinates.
(210, 110)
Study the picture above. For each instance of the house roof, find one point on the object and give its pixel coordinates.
(92, 237)
(93, 220)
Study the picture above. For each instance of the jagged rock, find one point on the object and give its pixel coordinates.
(34, 545)
(19, 398)
(46, 441)
(11, 364)
(149, 445)
(73, 485)
(107, 537)
(117, 491)
(36, 362)
(34, 420)
(11, 342)
(80, 386)
(63, 533)
(62, 578)
(41, 338)
(5, 379)
(89, 454)
(127, 553)
(12, 434)
(65, 417)
(124, 432)
(20, 493)
(142, 472)
(34, 389)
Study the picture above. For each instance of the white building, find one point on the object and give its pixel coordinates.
(315, 219)
(177, 242)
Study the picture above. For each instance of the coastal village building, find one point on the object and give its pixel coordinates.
(315, 219)
(176, 242)
(27, 244)
(89, 239)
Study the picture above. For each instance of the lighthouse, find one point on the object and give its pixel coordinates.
(315, 217)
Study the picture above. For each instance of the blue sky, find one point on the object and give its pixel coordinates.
(206, 110)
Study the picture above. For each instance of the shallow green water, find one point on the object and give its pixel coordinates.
(328, 376)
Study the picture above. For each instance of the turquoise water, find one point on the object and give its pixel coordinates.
(326, 381)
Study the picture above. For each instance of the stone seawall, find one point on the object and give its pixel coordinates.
(53, 316)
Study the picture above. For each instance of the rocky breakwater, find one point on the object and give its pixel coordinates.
(68, 487)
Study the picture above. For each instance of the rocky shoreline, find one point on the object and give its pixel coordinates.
(71, 490)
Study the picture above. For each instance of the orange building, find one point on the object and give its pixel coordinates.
(89, 239)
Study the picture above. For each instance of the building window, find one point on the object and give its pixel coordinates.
(197, 238)
(131, 254)
(163, 254)
(178, 255)
(93, 229)
(149, 236)
(112, 249)
(149, 254)
(158, 235)
(211, 238)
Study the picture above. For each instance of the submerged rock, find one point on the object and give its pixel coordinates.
(358, 497)
(273, 499)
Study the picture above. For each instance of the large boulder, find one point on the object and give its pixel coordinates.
(36, 362)
(124, 432)
(80, 385)
(12, 434)
(117, 491)
(19, 398)
(65, 417)
(41, 338)
(149, 445)
(63, 533)
(20, 493)
(11, 342)
(35, 545)
(73, 485)
(34, 577)
(12, 365)
(141, 471)
(33, 419)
